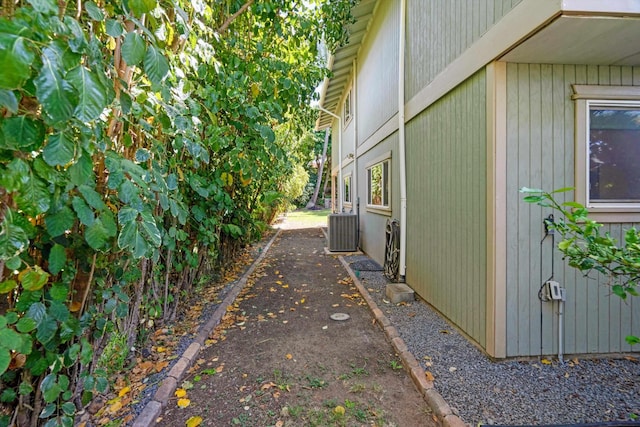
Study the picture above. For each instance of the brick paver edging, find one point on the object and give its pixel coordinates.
(435, 401)
(153, 409)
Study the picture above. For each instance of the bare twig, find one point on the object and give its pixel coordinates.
(232, 18)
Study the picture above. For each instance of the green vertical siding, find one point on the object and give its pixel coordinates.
(446, 206)
(438, 31)
(540, 153)
(372, 232)
(378, 71)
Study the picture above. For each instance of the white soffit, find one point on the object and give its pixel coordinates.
(334, 87)
(589, 40)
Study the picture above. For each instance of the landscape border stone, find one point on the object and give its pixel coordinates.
(153, 409)
(436, 402)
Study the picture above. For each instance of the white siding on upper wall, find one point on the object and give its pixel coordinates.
(438, 31)
(540, 154)
(378, 71)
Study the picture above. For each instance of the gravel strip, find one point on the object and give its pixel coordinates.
(508, 392)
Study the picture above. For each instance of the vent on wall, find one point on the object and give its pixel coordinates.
(343, 232)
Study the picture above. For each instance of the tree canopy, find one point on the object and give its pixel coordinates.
(141, 143)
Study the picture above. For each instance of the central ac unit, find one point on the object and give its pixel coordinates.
(343, 232)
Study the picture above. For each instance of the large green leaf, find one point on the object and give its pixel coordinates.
(96, 235)
(22, 133)
(7, 286)
(81, 172)
(155, 65)
(34, 197)
(60, 221)
(57, 259)
(13, 238)
(60, 149)
(92, 96)
(9, 100)
(84, 212)
(47, 7)
(10, 339)
(5, 359)
(133, 48)
(57, 96)
(26, 325)
(92, 197)
(138, 7)
(94, 11)
(47, 329)
(50, 388)
(34, 278)
(151, 229)
(16, 59)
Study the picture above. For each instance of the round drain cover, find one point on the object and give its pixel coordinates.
(339, 316)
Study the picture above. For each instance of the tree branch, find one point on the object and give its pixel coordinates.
(232, 18)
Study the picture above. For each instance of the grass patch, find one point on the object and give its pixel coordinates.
(310, 218)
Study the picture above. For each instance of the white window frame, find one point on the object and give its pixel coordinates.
(385, 206)
(347, 108)
(347, 190)
(586, 97)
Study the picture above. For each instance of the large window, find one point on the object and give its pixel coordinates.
(608, 151)
(378, 184)
(614, 153)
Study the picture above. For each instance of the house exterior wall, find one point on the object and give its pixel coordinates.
(377, 99)
(439, 31)
(446, 206)
(373, 223)
(540, 154)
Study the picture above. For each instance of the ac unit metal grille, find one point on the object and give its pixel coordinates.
(343, 232)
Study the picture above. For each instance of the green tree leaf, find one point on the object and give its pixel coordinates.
(60, 149)
(133, 49)
(5, 360)
(114, 28)
(47, 329)
(96, 235)
(22, 133)
(26, 325)
(13, 238)
(33, 279)
(94, 11)
(138, 7)
(59, 292)
(46, 7)
(57, 259)
(7, 286)
(34, 197)
(10, 339)
(9, 100)
(81, 172)
(59, 222)
(155, 65)
(56, 95)
(84, 212)
(50, 388)
(16, 59)
(92, 197)
(92, 96)
(37, 312)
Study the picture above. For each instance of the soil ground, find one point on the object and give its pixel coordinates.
(278, 359)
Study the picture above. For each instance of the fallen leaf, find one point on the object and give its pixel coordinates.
(280, 423)
(444, 331)
(180, 393)
(453, 369)
(546, 362)
(115, 407)
(429, 376)
(194, 422)
(161, 365)
(289, 356)
(631, 359)
(339, 410)
(124, 391)
(183, 403)
(161, 349)
(267, 386)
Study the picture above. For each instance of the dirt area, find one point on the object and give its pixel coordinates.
(278, 359)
